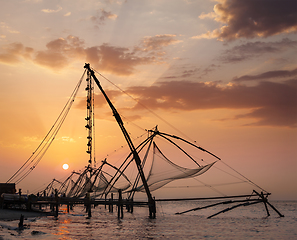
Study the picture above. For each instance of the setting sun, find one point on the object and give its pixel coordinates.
(65, 166)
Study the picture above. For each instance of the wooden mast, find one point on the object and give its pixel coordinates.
(151, 201)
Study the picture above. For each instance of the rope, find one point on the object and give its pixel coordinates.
(250, 181)
(152, 112)
(198, 186)
(47, 140)
(42, 148)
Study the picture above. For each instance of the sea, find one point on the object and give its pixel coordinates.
(246, 222)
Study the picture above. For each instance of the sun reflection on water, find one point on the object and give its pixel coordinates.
(63, 226)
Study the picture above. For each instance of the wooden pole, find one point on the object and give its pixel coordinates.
(111, 205)
(128, 205)
(88, 204)
(57, 210)
(21, 223)
(151, 201)
(105, 200)
(120, 205)
(89, 211)
(265, 203)
(261, 195)
(57, 203)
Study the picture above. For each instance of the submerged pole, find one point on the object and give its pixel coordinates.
(266, 202)
(111, 205)
(57, 203)
(88, 204)
(21, 223)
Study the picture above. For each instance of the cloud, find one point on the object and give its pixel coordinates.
(118, 2)
(267, 75)
(5, 27)
(255, 49)
(59, 8)
(61, 52)
(102, 16)
(122, 61)
(270, 103)
(54, 60)
(116, 60)
(14, 53)
(159, 41)
(188, 72)
(252, 18)
(208, 35)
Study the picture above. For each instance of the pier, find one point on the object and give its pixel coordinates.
(42, 204)
(52, 205)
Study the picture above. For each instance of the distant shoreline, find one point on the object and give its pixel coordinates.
(11, 214)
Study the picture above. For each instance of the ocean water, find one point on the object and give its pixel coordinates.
(248, 222)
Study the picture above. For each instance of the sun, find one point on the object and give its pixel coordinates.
(65, 166)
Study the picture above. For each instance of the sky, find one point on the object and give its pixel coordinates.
(222, 73)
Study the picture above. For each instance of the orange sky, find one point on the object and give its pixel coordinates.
(222, 73)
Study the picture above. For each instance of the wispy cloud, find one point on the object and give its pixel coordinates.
(267, 75)
(188, 72)
(59, 8)
(14, 53)
(159, 41)
(250, 19)
(251, 50)
(101, 16)
(7, 28)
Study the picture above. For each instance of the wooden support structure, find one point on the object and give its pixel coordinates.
(236, 206)
(264, 199)
(250, 200)
(265, 203)
(151, 201)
